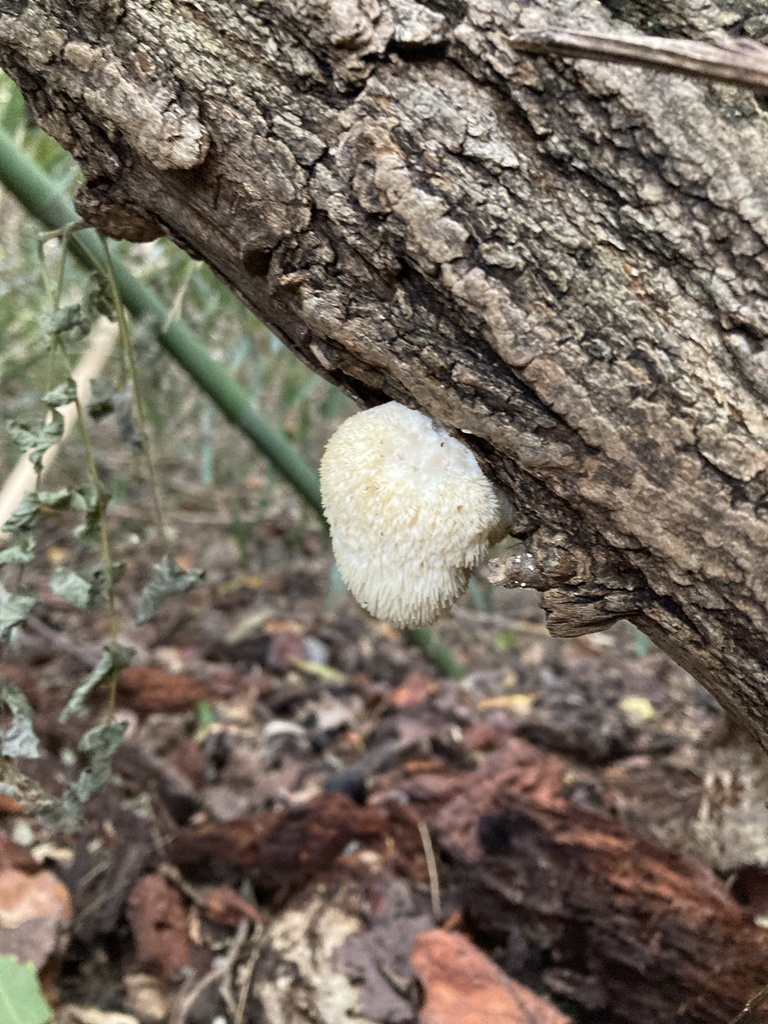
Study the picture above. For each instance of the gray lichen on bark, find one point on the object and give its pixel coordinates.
(566, 260)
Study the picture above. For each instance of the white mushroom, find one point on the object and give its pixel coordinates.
(410, 512)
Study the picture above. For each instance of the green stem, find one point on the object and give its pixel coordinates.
(436, 651)
(126, 341)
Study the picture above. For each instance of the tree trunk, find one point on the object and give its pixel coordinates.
(565, 260)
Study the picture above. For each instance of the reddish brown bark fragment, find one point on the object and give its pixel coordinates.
(158, 920)
(462, 986)
(147, 688)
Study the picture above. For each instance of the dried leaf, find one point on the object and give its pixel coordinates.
(19, 739)
(112, 660)
(34, 910)
(14, 608)
(149, 688)
(463, 986)
(167, 578)
(21, 553)
(158, 921)
(222, 905)
(61, 395)
(378, 957)
(83, 591)
(37, 442)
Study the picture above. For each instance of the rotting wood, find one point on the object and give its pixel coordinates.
(564, 260)
(628, 931)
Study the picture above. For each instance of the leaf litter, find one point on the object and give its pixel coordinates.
(265, 814)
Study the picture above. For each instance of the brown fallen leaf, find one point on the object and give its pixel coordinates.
(10, 806)
(35, 910)
(462, 986)
(415, 689)
(148, 688)
(284, 648)
(189, 758)
(158, 921)
(377, 957)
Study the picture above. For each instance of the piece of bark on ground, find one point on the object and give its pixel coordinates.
(462, 986)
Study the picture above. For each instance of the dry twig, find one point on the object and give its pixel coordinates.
(741, 62)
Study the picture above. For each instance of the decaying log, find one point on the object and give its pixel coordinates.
(565, 260)
(626, 930)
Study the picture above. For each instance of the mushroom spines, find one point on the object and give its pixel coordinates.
(410, 512)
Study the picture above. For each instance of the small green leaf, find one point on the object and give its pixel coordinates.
(21, 998)
(83, 591)
(206, 714)
(112, 660)
(93, 502)
(63, 498)
(71, 587)
(166, 579)
(14, 608)
(29, 507)
(58, 321)
(61, 395)
(25, 515)
(19, 739)
(100, 743)
(37, 442)
(21, 553)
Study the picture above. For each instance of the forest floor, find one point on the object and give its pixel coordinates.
(306, 824)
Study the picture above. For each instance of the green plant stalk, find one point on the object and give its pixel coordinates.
(44, 200)
(40, 196)
(129, 354)
(435, 651)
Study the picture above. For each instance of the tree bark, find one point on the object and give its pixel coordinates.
(565, 260)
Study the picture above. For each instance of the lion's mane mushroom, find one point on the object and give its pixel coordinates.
(410, 511)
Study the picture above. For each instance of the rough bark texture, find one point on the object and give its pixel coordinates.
(563, 259)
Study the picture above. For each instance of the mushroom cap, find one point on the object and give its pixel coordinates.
(410, 512)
